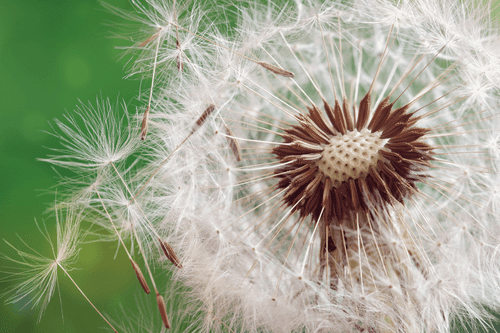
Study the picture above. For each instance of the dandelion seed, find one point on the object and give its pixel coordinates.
(169, 253)
(144, 125)
(149, 40)
(136, 267)
(94, 137)
(233, 144)
(180, 65)
(163, 310)
(140, 277)
(201, 120)
(38, 274)
(275, 69)
(172, 256)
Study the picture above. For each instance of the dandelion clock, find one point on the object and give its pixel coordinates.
(314, 166)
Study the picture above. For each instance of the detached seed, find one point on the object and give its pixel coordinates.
(140, 276)
(169, 253)
(233, 144)
(208, 111)
(275, 69)
(144, 126)
(163, 310)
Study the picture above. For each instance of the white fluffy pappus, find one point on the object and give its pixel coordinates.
(319, 166)
(35, 273)
(400, 250)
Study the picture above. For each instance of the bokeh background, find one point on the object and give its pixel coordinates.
(54, 53)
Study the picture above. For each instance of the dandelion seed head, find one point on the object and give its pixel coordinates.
(322, 166)
(313, 262)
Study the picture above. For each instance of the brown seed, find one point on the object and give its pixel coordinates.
(275, 69)
(233, 144)
(180, 65)
(144, 126)
(208, 111)
(149, 40)
(364, 111)
(320, 120)
(340, 123)
(380, 115)
(163, 310)
(347, 114)
(169, 253)
(140, 277)
(354, 194)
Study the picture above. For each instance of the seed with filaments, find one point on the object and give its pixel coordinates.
(233, 144)
(208, 111)
(144, 125)
(275, 69)
(163, 310)
(169, 253)
(140, 277)
(180, 65)
(149, 40)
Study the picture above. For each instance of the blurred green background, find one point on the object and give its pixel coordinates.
(52, 53)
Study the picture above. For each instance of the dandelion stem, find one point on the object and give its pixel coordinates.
(327, 59)
(136, 267)
(180, 66)
(287, 256)
(159, 167)
(112, 223)
(223, 323)
(145, 119)
(310, 242)
(88, 300)
(159, 298)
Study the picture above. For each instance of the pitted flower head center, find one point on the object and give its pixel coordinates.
(350, 156)
(336, 165)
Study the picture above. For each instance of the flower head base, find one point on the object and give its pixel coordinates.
(333, 166)
(345, 172)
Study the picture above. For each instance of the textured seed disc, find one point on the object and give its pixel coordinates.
(350, 156)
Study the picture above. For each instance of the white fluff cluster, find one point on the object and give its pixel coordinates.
(207, 183)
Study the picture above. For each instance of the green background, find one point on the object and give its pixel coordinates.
(52, 53)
